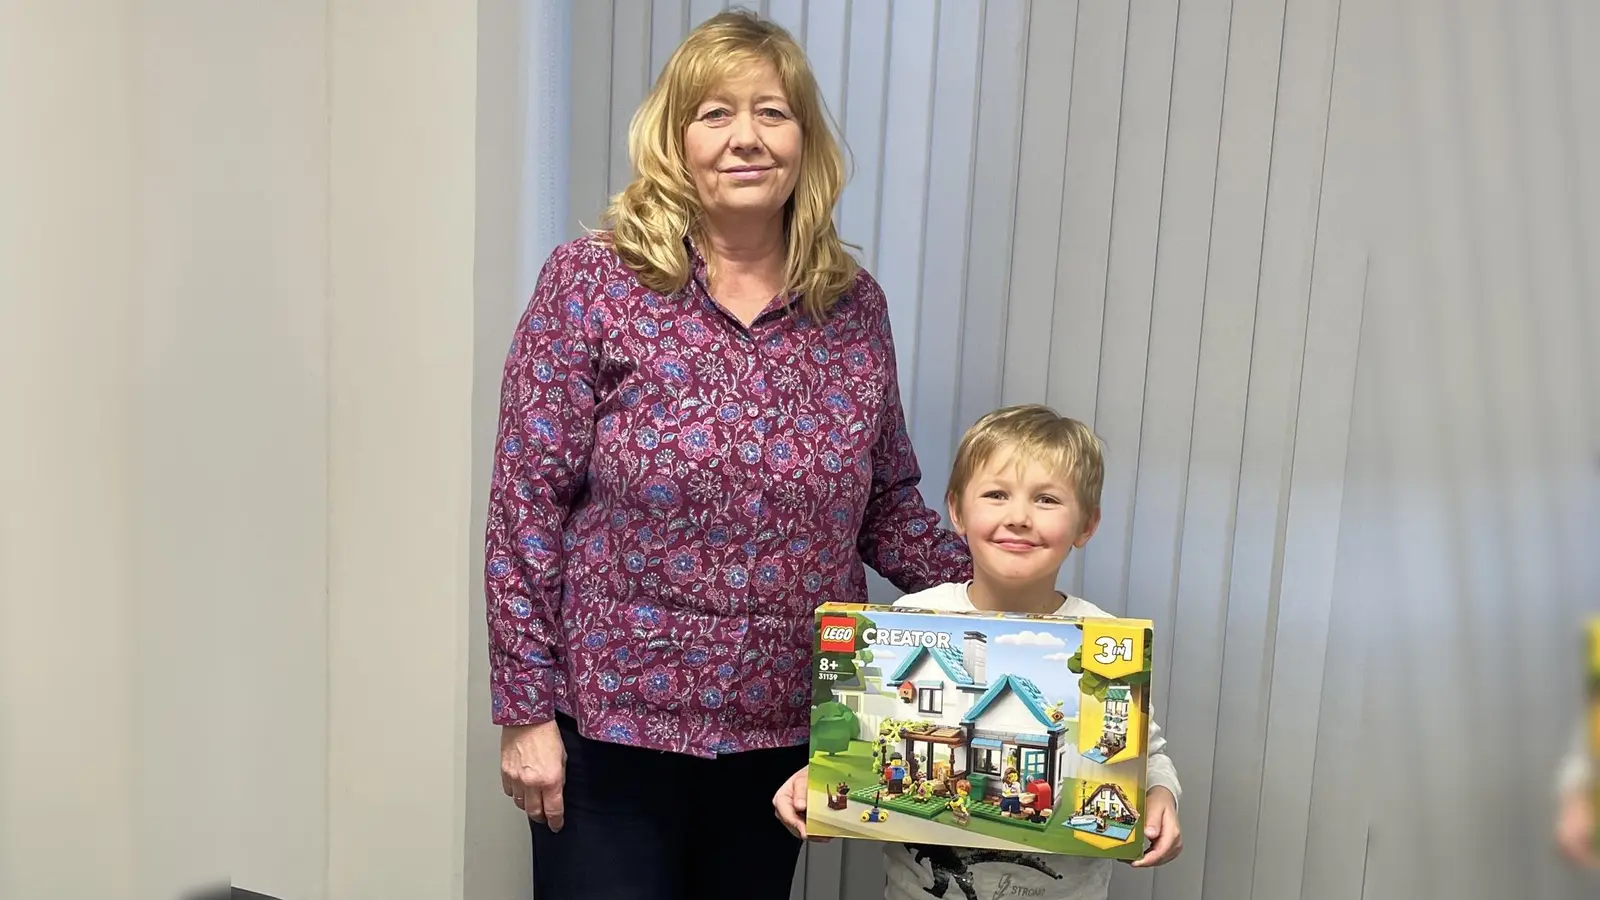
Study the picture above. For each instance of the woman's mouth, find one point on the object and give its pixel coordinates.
(746, 173)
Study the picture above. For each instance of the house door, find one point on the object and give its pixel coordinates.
(1031, 762)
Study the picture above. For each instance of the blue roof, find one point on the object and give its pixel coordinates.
(1026, 691)
(948, 658)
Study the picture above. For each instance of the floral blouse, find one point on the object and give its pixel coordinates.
(674, 493)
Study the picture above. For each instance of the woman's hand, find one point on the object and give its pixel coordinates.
(789, 803)
(533, 770)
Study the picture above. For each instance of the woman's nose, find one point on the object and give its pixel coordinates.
(743, 134)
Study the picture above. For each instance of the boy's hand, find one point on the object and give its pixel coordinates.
(1575, 829)
(1161, 828)
(789, 804)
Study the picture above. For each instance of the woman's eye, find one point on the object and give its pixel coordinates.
(775, 114)
(713, 115)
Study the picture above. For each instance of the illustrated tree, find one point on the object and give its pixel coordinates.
(1096, 686)
(827, 667)
(833, 727)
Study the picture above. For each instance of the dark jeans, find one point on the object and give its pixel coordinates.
(646, 825)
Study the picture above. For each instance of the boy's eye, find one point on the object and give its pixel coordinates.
(1046, 498)
(994, 495)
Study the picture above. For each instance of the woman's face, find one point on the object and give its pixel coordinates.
(743, 146)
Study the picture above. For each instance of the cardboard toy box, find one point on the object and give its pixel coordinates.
(1001, 731)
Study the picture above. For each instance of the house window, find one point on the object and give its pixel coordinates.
(852, 702)
(930, 700)
(986, 760)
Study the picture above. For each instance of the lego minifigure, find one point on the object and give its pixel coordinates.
(958, 804)
(894, 775)
(1010, 795)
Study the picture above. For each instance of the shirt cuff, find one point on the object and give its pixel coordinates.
(1575, 774)
(1165, 779)
(529, 700)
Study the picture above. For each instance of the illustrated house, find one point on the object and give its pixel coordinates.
(1010, 719)
(1108, 801)
(976, 725)
(938, 686)
(1114, 726)
(862, 692)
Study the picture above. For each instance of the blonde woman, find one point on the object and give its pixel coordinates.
(701, 439)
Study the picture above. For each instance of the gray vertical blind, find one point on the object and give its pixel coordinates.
(1153, 216)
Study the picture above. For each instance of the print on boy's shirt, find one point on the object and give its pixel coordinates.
(918, 872)
(954, 865)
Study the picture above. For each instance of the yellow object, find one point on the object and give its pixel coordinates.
(1113, 649)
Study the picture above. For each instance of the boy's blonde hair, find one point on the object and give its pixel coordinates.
(1038, 434)
(647, 222)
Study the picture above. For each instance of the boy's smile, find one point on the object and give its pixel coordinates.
(1020, 521)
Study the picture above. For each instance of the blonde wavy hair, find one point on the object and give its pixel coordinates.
(647, 223)
(1038, 434)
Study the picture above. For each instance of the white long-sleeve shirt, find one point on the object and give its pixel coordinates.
(1576, 772)
(1018, 875)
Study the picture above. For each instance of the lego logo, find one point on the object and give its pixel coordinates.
(837, 635)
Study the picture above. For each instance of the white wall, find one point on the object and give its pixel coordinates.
(228, 408)
(164, 599)
(401, 227)
(68, 299)
(239, 341)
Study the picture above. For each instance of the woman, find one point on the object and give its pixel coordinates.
(701, 439)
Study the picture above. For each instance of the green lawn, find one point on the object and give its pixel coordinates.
(922, 809)
(991, 811)
(853, 766)
(1051, 837)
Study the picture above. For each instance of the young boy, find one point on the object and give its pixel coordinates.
(1024, 491)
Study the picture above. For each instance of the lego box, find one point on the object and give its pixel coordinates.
(977, 729)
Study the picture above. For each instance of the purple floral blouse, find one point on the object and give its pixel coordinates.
(674, 493)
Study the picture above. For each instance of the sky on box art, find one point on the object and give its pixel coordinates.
(1037, 651)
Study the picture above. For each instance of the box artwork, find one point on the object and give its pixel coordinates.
(978, 729)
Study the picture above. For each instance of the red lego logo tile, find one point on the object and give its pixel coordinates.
(838, 634)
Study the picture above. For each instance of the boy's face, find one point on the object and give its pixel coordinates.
(1020, 522)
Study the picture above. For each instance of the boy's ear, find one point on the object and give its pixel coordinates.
(1089, 528)
(953, 506)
